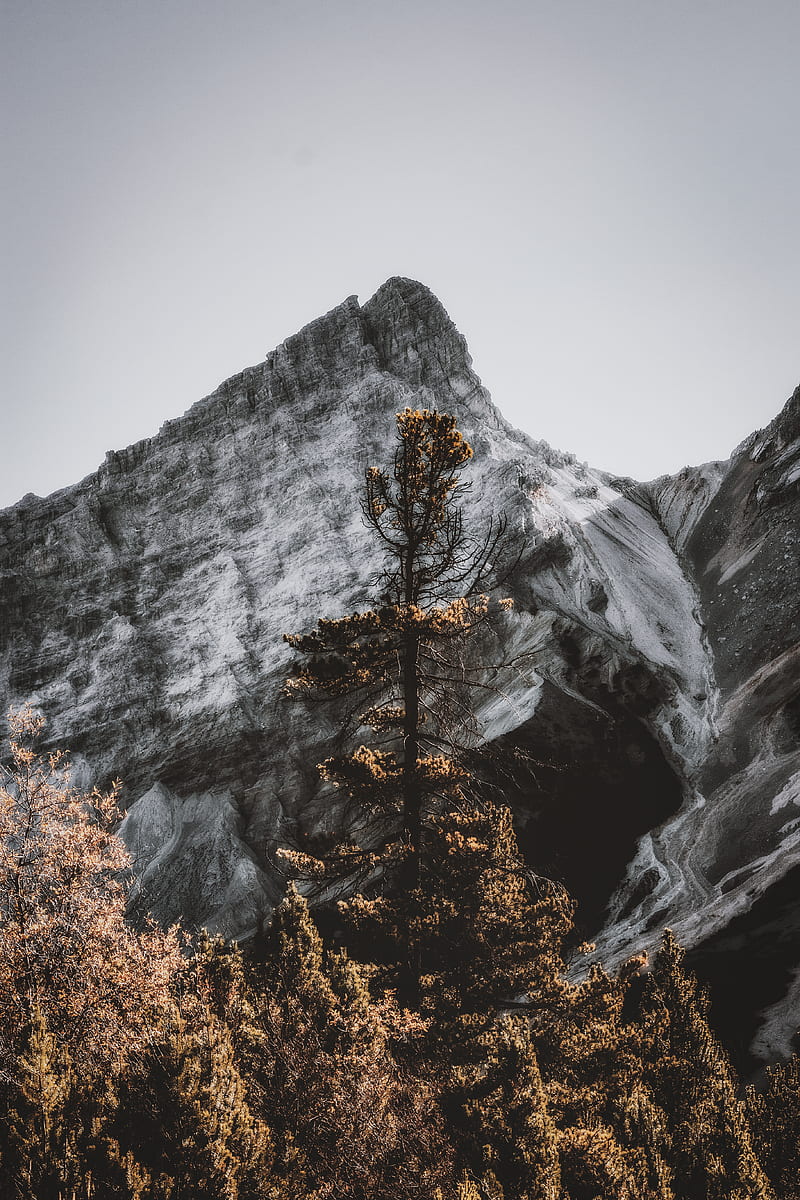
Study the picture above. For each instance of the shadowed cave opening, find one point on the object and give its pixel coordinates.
(584, 784)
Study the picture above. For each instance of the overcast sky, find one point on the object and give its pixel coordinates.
(604, 194)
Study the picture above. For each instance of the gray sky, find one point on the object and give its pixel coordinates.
(603, 193)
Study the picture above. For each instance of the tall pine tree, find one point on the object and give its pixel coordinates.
(398, 661)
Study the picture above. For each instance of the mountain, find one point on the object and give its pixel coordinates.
(649, 668)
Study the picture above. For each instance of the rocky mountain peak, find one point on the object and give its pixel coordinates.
(413, 335)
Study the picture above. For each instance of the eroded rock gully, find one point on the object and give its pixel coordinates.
(654, 642)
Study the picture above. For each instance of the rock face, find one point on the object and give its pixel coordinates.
(650, 665)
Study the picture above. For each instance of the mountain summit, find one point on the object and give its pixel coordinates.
(652, 653)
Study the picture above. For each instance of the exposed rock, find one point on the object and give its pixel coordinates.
(654, 640)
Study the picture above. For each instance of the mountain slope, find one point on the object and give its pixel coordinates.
(650, 661)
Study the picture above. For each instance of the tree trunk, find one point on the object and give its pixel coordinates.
(412, 799)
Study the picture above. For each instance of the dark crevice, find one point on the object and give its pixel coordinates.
(584, 785)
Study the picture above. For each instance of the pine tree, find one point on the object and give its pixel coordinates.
(692, 1082)
(184, 1122)
(56, 1139)
(398, 661)
(644, 1132)
(41, 1158)
(293, 971)
(498, 1105)
(594, 1165)
(589, 1054)
(495, 930)
(774, 1119)
(343, 1116)
(487, 929)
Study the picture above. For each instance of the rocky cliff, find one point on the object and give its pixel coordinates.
(650, 665)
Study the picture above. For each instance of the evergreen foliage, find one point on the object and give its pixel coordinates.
(498, 1108)
(712, 1154)
(402, 664)
(644, 1133)
(774, 1118)
(184, 1117)
(343, 1114)
(41, 1146)
(486, 929)
(444, 1055)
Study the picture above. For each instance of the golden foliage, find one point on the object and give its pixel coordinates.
(296, 1076)
(774, 1120)
(694, 1084)
(65, 949)
(330, 1087)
